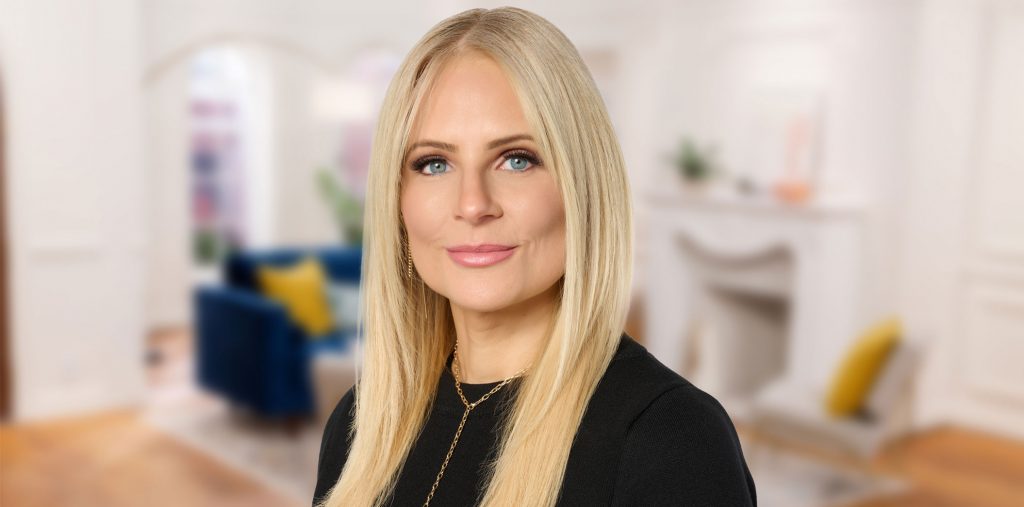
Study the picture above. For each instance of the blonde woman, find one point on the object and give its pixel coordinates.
(496, 280)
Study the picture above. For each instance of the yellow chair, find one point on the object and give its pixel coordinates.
(866, 404)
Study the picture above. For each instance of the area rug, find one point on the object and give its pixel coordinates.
(786, 479)
(287, 463)
(266, 452)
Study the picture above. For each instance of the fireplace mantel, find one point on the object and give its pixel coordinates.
(702, 248)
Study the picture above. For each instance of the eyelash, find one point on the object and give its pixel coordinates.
(417, 165)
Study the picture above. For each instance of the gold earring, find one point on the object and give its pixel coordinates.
(408, 260)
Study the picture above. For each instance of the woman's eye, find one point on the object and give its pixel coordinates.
(520, 161)
(433, 166)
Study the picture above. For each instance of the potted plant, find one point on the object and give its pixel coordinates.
(695, 164)
(345, 208)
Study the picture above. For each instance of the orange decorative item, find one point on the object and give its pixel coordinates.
(794, 187)
(792, 191)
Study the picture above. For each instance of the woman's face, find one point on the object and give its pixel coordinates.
(473, 177)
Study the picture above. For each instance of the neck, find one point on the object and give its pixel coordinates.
(493, 346)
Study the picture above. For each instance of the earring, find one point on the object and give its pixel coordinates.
(408, 260)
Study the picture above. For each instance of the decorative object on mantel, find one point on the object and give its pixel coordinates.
(746, 186)
(345, 208)
(794, 187)
(695, 164)
(778, 140)
(792, 191)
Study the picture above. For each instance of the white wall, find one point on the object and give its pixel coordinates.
(963, 270)
(75, 197)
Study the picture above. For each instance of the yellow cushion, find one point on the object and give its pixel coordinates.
(852, 382)
(300, 288)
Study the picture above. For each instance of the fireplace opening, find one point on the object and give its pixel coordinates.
(749, 332)
(741, 339)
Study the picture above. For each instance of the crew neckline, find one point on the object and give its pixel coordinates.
(627, 348)
(448, 370)
(448, 398)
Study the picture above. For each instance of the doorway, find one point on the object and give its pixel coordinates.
(5, 356)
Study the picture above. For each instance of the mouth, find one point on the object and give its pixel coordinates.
(477, 256)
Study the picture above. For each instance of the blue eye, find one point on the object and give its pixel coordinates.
(434, 166)
(520, 161)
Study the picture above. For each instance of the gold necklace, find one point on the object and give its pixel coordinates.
(469, 407)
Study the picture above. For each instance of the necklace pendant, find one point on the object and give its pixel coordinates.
(465, 415)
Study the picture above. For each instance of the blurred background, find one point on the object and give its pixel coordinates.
(829, 235)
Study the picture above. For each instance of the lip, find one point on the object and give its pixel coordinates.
(484, 247)
(477, 256)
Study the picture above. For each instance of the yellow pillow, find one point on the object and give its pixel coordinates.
(852, 382)
(300, 288)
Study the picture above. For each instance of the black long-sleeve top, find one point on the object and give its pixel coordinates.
(647, 438)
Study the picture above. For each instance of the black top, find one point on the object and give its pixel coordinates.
(648, 437)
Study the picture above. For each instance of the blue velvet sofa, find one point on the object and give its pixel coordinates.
(247, 348)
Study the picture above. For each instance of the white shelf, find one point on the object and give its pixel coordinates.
(726, 199)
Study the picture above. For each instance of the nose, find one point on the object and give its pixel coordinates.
(476, 201)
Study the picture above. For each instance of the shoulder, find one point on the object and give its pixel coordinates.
(683, 449)
(634, 359)
(334, 445)
(345, 405)
(689, 417)
(659, 394)
(680, 444)
(339, 422)
(632, 381)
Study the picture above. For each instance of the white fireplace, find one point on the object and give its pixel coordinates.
(739, 293)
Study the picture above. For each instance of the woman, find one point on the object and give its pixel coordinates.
(496, 283)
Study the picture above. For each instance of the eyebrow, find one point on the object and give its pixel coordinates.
(455, 149)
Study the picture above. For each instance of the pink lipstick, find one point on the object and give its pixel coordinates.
(478, 256)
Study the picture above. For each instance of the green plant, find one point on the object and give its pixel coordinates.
(345, 208)
(208, 246)
(695, 164)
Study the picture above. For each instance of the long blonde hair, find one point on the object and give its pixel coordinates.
(407, 328)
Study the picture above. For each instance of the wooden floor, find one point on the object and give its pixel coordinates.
(116, 459)
(944, 467)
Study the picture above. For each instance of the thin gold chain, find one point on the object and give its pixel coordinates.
(469, 407)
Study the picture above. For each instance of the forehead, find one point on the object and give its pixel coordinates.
(471, 97)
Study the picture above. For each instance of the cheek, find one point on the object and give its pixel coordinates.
(419, 212)
(546, 216)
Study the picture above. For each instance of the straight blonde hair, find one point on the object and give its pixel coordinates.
(407, 329)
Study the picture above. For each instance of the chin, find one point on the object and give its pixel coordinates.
(489, 291)
(480, 307)
(482, 301)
